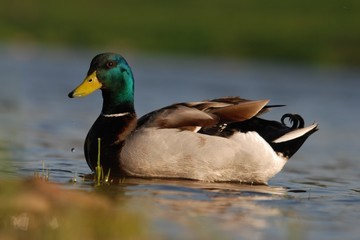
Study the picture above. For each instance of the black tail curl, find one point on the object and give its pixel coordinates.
(295, 120)
(268, 130)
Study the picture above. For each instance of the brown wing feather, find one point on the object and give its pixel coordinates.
(239, 112)
(179, 116)
(204, 114)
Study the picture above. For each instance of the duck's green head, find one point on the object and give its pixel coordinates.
(110, 73)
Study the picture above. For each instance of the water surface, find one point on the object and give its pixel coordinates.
(316, 196)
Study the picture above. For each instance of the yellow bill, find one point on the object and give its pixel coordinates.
(89, 85)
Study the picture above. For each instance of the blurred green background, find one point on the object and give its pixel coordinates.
(307, 31)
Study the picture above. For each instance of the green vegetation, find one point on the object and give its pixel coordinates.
(36, 209)
(313, 31)
(323, 31)
(99, 176)
(44, 174)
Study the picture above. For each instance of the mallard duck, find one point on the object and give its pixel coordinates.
(215, 140)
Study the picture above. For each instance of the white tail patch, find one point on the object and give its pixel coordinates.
(295, 134)
(197, 129)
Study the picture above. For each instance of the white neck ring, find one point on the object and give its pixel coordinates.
(115, 114)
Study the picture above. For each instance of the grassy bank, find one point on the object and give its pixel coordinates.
(35, 209)
(324, 31)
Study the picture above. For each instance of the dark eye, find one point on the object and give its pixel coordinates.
(110, 64)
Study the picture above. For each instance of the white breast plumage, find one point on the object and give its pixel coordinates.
(170, 153)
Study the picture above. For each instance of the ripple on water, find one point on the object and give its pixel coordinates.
(315, 197)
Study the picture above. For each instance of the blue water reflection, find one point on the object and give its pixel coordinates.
(316, 195)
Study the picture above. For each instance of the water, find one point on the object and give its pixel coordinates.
(316, 196)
